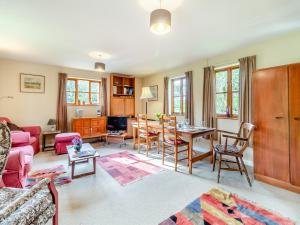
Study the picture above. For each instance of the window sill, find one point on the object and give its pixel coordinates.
(83, 105)
(227, 118)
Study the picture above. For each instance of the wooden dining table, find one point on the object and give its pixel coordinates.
(187, 133)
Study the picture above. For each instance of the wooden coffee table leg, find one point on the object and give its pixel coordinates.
(94, 165)
(73, 169)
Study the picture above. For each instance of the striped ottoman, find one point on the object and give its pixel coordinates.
(63, 140)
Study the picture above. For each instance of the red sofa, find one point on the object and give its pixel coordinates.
(24, 145)
(35, 133)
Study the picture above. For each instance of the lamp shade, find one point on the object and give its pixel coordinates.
(51, 122)
(160, 21)
(100, 66)
(146, 93)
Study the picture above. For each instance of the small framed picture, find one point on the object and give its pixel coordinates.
(154, 90)
(30, 83)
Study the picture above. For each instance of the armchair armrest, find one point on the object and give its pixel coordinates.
(20, 138)
(33, 130)
(226, 132)
(15, 161)
(234, 137)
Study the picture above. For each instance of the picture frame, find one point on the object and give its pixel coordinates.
(154, 91)
(30, 83)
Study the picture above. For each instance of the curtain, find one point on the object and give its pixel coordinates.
(166, 95)
(209, 96)
(189, 106)
(247, 67)
(61, 111)
(103, 99)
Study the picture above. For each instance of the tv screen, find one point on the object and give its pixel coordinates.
(116, 123)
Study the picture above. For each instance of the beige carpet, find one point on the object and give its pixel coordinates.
(101, 200)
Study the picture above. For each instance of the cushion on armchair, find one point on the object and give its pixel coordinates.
(20, 138)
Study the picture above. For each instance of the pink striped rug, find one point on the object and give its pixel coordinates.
(126, 167)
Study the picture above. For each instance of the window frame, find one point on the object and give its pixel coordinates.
(182, 96)
(89, 92)
(229, 91)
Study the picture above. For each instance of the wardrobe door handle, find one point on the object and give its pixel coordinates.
(278, 117)
(296, 118)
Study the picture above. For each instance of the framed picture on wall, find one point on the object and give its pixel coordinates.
(154, 91)
(30, 83)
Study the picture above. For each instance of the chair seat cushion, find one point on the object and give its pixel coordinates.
(171, 140)
(150, 134)
(66, 137)
(230, 148)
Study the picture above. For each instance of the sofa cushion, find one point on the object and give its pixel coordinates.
(20, 138)
(27, 150)
(66, 137)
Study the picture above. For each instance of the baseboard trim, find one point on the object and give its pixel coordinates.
(277, 183)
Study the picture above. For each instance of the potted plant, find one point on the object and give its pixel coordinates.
(159, 117)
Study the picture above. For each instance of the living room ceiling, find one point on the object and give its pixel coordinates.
(66, 32)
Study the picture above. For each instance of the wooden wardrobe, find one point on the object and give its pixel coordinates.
(276, 115)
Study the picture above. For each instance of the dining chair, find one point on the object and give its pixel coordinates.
(235, 150)
(172, 142)
(146, 135)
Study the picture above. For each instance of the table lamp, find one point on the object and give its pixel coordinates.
(52, 124)
(146, 94)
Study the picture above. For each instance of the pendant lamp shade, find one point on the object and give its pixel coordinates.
(160, 21)
(100, 66)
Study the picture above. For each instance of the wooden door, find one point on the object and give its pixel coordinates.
(86, 128)
(98, 126)
(270, 115)
(117, 107)
(77, 126)
(294, 101)
(129, 107)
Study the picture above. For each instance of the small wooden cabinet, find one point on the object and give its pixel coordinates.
(89, 127)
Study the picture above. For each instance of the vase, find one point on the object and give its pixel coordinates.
(77, 147)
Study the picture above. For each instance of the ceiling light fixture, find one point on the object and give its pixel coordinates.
(160, 21)
(99, 66)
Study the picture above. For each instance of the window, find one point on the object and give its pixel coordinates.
(227, 92)
(83, 92)
(178, 95)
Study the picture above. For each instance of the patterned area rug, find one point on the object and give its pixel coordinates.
(57, 173)
(221, 208)
(126, 167)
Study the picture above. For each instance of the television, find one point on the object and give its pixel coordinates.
(116, 123)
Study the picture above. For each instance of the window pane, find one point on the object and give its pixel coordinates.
(95, 98)
(95, 87)
(83, 98)
(71, 97)
(235, 103)
(221, 81)
(177, 105)
(83, 86)
(71, 85)
(221, 103)
(184, 86)
(176, 88)
(235, 79)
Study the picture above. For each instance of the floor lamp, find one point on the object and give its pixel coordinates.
(146, 94)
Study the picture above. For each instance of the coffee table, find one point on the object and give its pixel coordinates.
(73, 159)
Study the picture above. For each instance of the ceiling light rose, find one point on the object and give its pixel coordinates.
(160, 21)
(100, 66)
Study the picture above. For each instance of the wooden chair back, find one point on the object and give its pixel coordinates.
(142, 124)
(246, 132)
(169, 128)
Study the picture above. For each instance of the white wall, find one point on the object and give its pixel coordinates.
(280, 50)
(32, 108)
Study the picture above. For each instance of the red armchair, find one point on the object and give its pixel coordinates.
(35, 133)
(19, 161)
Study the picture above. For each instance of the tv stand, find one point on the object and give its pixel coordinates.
(116, 138)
